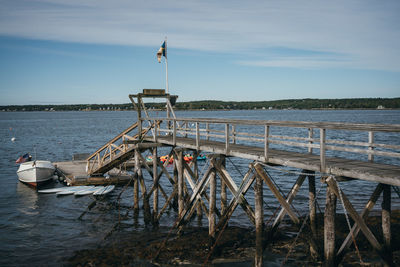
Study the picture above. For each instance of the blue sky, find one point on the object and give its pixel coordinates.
(86, 51)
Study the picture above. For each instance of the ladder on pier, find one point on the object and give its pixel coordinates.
(115, 152)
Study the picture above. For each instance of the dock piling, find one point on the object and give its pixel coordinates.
(259, 214)
(329, 228)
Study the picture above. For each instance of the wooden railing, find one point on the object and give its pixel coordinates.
(313, 137)
(110, 150)
(116, 147)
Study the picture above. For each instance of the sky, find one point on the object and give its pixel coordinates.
(100, 51)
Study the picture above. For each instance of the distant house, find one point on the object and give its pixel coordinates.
(380, 107)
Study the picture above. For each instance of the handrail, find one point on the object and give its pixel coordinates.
(127, 130)
(228, 133)
(114, 148)
(297, 124)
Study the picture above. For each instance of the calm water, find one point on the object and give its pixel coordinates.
(45, 229)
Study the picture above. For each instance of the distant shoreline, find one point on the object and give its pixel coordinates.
(289, 104)
(5, 111)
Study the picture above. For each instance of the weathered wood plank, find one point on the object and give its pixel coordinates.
(260, 171)
(290, 197)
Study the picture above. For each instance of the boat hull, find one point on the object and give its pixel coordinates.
(35, 172)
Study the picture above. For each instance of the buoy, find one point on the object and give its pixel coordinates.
(13, 139)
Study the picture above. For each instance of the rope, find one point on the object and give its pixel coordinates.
(301, 229)
(347, 220)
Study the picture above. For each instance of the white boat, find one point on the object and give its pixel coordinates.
(104, 191)
(35, 172)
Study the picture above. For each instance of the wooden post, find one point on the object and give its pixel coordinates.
(146, 206)
(155, 181)
(322, 137)
(174, 132)
(197, 137)
(136, 183)
(386, 229)
(234, 134)
(136, 193)
(313, 215)
(139, 117)
(310, 136)
(329, 228)
(175, 198)
(156, 129)
(266, 143)
(223, 188)
(199, 210)
(179, 165)
(259, 214)
(213, 197)
(371, 147)
(226, 139)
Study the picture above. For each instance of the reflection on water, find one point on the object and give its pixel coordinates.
(41, 229)
(27, 198)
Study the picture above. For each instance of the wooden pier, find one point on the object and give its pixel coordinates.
(334, 152)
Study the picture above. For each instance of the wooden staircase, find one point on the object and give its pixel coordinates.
(115, 152)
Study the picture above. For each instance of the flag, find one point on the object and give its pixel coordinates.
(23, 158)
(162, 52)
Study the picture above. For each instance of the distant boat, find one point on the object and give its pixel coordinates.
(35, 172)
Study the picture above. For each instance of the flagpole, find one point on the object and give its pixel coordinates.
(166, 65)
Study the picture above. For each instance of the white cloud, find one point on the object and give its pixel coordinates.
(363, 34)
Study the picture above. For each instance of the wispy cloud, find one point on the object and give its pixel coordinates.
(355, 34)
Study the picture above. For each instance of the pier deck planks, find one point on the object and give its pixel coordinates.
(75, 173)
(363, 170)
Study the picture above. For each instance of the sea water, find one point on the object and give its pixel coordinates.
(43, 229)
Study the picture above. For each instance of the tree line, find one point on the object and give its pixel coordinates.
(307, 103)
